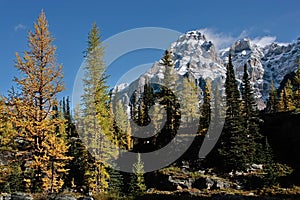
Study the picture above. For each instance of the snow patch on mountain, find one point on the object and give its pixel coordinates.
(194, 54)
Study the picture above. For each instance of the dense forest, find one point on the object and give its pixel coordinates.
(49, 148)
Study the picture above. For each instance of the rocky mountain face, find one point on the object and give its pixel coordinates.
(265, 64)
(194, 54)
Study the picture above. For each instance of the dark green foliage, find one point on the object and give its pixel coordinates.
(115, 182)
(233, 149)
(16, 178)
(165, 95)
(249, 108)
(251, 120)
(297, 88)
(77, 151)
(233, 100)
(169, 89)
(272, 103)
(274, 171)
(205, 116)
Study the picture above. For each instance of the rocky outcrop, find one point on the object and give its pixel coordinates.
(194, 54)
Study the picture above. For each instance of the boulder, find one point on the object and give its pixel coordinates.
(21, 196)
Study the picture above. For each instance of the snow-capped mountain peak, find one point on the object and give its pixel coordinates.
(194, 54)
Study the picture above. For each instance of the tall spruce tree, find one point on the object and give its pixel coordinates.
(233, 149)
(251, 120)
(169, 89)
(42, 151)
(272, 103)
(249, 108)
(77, 165)
(205, 109)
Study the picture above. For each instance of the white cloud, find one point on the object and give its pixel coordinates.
(221, 40)
(226, 40)
(20, 27)
(264, 41)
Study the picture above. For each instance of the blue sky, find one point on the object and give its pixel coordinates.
(70, 22)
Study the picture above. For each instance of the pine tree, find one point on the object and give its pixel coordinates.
(289, 96)
(77, 165)
(134, 107)
(286, 101)
(251, 120)
(233, 149)
(205, 110)
(31, 110)
(97, 129)
(122, 132)
(169, 90)
(217, 110)
(137, 184)
(169, 74)
(10, 175)
(297, 88)
(190, 112)
(272, 103)
(157, 117)
(249, 107)
(115, 182)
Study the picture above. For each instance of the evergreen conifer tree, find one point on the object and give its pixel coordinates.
(190, 111)
(297, 88)
(272, 103)
(122, 132)
(137, 184)
(233, 147)
(169, 89)
(205, 110)
(286, 101)
(97, 127)
(251, 120)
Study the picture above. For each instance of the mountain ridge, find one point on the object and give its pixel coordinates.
(193, 53)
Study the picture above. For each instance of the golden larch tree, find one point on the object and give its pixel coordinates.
(41, 144)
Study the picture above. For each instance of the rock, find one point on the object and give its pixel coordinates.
(21, 196)
(257, 167)
(179, 187)
(241, 45)
(150, 190)
(182, 182)
(65, 197)
(189, 183)
(239, 185)
(194, 54)
(86, 198)
(5, 196)
(209, 183)
(222, 184)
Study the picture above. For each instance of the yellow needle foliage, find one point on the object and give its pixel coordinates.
(41, 145)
